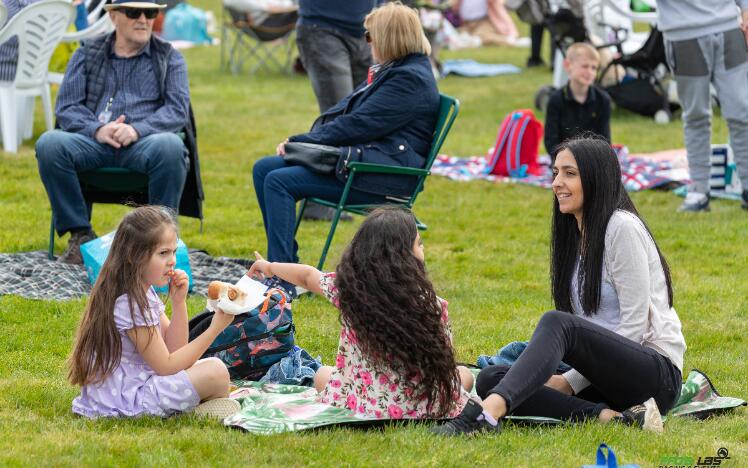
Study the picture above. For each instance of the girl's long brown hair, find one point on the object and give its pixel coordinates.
(98, 346)
(387, 299)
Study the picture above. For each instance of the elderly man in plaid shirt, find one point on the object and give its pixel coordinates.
(123, 98)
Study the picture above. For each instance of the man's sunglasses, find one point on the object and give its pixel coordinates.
(367, 35)
(134, 13)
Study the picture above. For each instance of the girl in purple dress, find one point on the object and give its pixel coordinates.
(129, 358)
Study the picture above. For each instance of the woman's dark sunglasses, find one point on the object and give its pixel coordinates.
(134, 13)
(367, 35)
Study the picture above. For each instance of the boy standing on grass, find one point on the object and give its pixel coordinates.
(579, 107)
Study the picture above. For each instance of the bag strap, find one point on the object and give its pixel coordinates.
(521, 169)
(612, 462)
(502, 138)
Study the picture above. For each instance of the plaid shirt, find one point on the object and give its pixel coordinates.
(131, 84)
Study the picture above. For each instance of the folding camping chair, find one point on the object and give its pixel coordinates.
(448, 109)
(257, 36)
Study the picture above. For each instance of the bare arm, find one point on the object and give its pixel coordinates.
(176, 330)
(165, 362)
(301, 275)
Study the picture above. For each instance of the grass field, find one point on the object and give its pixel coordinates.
(487, 253)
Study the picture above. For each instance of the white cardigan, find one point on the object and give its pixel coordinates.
(632, 266)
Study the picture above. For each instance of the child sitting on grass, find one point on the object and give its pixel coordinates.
(129, 358)
(579, 107)
(395, 358)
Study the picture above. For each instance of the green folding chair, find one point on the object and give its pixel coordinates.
(448, 109)
(122, 186)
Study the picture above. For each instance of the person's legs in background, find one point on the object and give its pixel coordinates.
(501, 21)
(536, 44)
(328, 63)
(335, 63)
(692, 66)
(60, 156)
(731, 83)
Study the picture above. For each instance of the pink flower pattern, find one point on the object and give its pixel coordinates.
(355, 385)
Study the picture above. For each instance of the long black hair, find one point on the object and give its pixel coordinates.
(603, 193)
(388, 301)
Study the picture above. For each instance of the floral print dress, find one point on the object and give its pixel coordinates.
(355, 385)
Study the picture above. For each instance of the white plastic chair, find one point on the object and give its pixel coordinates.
(3, 13)
(100, 27)
(39, 28)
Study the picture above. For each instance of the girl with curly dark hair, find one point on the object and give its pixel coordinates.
(395, 358)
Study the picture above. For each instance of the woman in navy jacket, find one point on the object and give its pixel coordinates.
(389, 119)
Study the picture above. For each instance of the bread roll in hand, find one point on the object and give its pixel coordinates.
(217, 289)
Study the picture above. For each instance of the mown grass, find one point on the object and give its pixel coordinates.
(487, 252)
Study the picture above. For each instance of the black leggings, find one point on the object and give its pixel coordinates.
(622, 373)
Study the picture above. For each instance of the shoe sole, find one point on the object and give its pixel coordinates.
(219, 408)
(652, 417)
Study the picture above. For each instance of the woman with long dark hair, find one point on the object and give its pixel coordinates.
(614, 321)
(395, 357)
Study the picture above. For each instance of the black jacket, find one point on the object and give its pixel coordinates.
(566, 118)
(389, 122)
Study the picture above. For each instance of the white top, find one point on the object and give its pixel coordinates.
(632, 267)
(471, 10)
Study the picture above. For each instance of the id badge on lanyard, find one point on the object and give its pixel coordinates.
(105, 116)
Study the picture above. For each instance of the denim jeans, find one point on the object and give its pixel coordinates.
(61, 155)
(623, 373)
(336, 62)
(279, 186)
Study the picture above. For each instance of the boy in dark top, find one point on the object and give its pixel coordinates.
(579, 107)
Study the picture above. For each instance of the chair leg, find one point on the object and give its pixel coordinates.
(333, 226)
(9, 119)
(25, 117)
(51, 251)
(298, 217)
(47, 103)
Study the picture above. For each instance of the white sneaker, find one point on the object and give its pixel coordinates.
(695, 201)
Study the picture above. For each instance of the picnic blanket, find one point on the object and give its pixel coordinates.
(32, 275)
(275, 408)
(638, 171)
(471, 68)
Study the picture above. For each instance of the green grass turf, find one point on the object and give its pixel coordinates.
(487, 253)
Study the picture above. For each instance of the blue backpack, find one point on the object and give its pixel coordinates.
(255, 340)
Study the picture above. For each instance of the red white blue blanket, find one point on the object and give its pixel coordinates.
(638, 172)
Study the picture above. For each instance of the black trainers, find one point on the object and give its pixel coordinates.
(744, 205)
(470, 421)
(645, 416)
(535, 62)
(72, 254)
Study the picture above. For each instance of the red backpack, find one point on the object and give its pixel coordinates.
(515, 153)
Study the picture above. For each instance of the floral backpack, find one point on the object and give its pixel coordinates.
(255, 340)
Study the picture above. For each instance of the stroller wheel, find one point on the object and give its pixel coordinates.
(542, 96)
(662, 117)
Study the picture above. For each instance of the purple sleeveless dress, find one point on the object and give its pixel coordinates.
(134, 388)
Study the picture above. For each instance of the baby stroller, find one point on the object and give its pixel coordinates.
(640, 78)
(644, 87)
